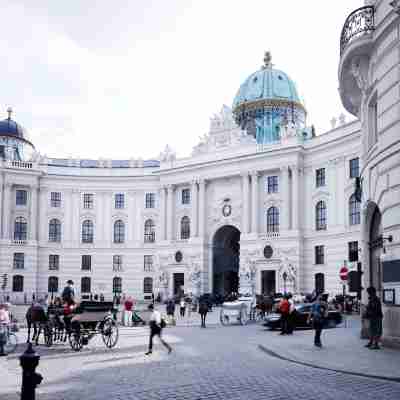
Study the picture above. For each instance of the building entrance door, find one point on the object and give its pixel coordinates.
(179, 284)
(225, 259)
(375, 250)
(268, 283)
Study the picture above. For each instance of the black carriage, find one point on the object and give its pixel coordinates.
(90, 318)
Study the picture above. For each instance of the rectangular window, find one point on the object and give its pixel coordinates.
(55, 199)
(150, 200)
(54, 262)
(319, 255)
(272, 184)
(21, 197)
(185, 196)
(19, 260)
(119, 200)
(148, 264)
(117, 263)
(88, 200)
(320, 177)
(354, 168)
(353, 251)
(86, 262)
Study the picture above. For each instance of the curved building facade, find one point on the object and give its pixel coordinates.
(267, 212)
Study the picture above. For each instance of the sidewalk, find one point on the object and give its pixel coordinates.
(342, 351)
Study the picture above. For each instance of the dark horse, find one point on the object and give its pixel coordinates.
(203, 310)
(35, 317)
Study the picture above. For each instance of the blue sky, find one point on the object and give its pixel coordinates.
(121, 79)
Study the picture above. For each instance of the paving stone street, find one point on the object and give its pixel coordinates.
(213, 363)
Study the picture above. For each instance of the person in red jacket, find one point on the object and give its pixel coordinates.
(284, 309)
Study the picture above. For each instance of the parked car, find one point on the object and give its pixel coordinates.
(301, 313)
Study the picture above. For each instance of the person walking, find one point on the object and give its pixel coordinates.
(4, 323)
(319, 312)
(284, 307)
(203, 310)
(374, 315)
(171, 312)
(291, 315)
(156, 326)
(182, 307)
(128, 305)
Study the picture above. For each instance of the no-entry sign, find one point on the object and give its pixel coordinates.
(344, 273)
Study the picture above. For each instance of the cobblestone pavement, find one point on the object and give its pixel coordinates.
(212, 363)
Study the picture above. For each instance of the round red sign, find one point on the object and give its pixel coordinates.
(343, 273)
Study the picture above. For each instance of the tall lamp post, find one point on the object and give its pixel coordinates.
(284, 276)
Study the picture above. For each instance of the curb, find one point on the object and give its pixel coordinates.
(307, 364)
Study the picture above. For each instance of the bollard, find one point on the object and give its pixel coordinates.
(3, 339)
(30, 379)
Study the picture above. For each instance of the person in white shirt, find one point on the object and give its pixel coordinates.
(156, 327)
(182, 304)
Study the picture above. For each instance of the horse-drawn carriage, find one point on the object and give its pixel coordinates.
(239, 311)
(86, 320)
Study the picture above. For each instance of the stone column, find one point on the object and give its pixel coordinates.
(170, 217)
(295, 197)
(131, 222)
(43, 222)
(245, 202)
(99, 236)
(107, 221)
(6, 216)
(194, 201)
(284, 213)
(341, 176)
(33, 213)
(254, 202)
(162, 213)
(202, 205)
(66, 203)
(76, 211)
(334, 191)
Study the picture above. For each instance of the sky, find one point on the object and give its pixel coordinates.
(121, 79)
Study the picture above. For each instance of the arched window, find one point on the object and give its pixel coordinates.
(354, 210)
(185, 228)
(320, 216)
(119, 231)
(273, 220)
(86, 284)
(54, 230)
(117, 285)
(52, 286)
(148, 285)
(149, 231)
(319, 283)
(20, 229)
(18, 283)
(87, 231)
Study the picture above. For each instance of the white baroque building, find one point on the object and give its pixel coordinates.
(369, 78)
(262, 204)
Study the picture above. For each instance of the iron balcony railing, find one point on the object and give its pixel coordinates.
(358, 23)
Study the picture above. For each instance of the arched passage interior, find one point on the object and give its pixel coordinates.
(226, 249)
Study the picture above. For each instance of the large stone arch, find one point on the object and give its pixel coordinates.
(225, 260)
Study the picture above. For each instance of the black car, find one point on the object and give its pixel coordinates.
(300, 317)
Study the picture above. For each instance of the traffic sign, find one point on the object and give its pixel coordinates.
(344, 273)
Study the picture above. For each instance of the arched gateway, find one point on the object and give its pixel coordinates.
(225, 260)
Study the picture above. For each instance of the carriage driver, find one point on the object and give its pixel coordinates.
(68, 294)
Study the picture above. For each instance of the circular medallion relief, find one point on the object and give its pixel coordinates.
(178, 256)
(226, 210)
(268, 251)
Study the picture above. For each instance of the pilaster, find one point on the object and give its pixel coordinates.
(43, 222)
(194, 201)
(254, 202)
(245, 201)
(202, 205)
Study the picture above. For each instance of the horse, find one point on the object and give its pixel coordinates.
(203, 310)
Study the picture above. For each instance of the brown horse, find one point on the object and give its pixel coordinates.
(203, 310)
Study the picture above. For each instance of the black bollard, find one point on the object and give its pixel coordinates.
(30, 379)
(3, 339)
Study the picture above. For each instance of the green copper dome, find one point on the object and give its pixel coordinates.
(267, 100)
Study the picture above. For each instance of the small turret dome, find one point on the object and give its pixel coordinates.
(9, 127)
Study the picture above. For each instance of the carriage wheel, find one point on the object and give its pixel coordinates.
(243, 319)
(223, 318)
(76, 341)
(11, 344)
(109, 332)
